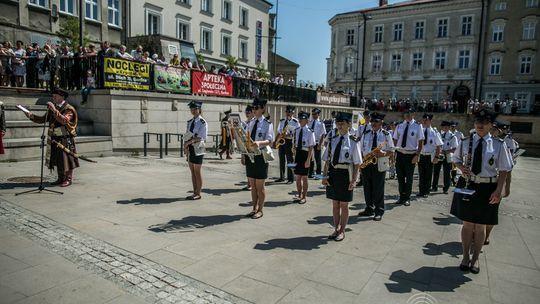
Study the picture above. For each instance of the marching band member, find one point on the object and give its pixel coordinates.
(363, 129)
(198, 127)
(375, 173)
(408, 138)
(366, 127)
(459, 136)
(429, 155)
(261, 133)
(498, 131)
(342, 160)
(304, 142)
(249, 116)
(285, 150)
(490, 163)
(392, 171)
(450, 143)
(320, 132)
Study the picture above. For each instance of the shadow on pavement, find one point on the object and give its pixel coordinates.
(219, 192)
(404, 282)
(310, 193)
(8, 186)
(270, 204)
(191, 223)
(150, 201)
(446, 220)
(451, 248)
(328, 219)
(298, 243)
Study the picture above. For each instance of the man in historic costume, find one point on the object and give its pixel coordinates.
(62, 119)
(225, 144)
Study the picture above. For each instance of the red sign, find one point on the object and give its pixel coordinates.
(211, 84)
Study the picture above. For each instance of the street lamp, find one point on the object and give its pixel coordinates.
(356, 94)
(363, 53)
(81, 23)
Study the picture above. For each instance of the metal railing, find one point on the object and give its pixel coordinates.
(179, 138)
(159, 137)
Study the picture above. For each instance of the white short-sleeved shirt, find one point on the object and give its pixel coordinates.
(383, 136)
(510, 143)
(292, 124)
(363, 129)
(432, 141)
(415, 133)
(495, 155)
(264, 131)
(307, 140)
(350, 150)
(200, 128)
(450, 141)
(318, 128)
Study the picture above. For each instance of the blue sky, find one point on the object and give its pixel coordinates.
(305, 33)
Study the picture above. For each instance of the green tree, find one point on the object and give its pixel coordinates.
(262, 72)
(231, 61)
(69, 32)
(200, 58)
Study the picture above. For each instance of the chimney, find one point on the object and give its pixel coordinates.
(383, 3)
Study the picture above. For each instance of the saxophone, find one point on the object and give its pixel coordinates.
(371, 157)
(281, 138)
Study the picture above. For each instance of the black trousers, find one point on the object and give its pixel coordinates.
(405, 172)
(373, 183)
(447, 167)
(317, 162)
(285, 157)
(425, 174)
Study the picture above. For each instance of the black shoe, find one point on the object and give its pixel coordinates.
(366, 212)
(434, 189)
(289, 182)
(399, 202)
(475, 270)
(463, 267)
(310, 176)
(377, 217)
(279, 180)
(445, 191)
(406, 203)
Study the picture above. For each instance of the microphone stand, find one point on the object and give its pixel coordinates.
(41, 188)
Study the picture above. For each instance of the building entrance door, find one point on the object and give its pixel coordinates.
(462, 94)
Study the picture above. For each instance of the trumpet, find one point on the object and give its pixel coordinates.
(371, 157)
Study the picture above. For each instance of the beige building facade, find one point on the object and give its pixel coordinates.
(423, 49)
(39, 20)
(512, 53)
(217, 28)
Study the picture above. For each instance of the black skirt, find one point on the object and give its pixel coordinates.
(194, 159)
(476, 208)
(338, 188)
(257, 169)
(300, 160)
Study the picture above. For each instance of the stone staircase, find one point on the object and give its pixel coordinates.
(22, 140)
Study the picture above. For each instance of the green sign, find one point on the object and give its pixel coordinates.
(172, 79)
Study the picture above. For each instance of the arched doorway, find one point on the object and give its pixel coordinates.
(462, 93)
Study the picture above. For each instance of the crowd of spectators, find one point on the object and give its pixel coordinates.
(506, 107)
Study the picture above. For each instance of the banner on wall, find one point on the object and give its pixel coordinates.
(333, 99)
(211, 84)
(125, 74)
(172, 79)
